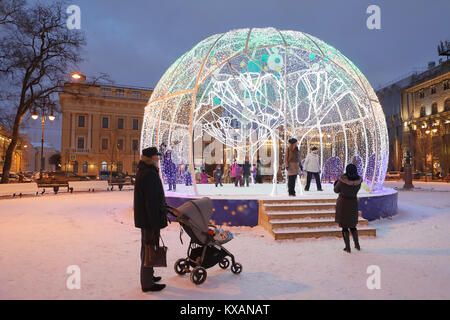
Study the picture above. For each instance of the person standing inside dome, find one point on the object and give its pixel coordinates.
(348, 186)
(312, 167)
(170, 170)
(292, 163)
(233, 171)
(246, 171)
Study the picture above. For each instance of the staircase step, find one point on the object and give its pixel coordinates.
(293, 233)
(308, 223)
(299, 206)
(312, 214)
(289, 201)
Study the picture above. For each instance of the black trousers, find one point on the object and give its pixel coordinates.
(151, 237)
(316, 177)
(291, 184)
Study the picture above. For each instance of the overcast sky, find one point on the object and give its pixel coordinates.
(135, 41)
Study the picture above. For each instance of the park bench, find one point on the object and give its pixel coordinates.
(88, 185)
(120, 185)
(55, 186)
(18, 189)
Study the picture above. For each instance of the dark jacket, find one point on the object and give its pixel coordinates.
(347, 202)
(149, 200)
(217, 174)
(247, 166)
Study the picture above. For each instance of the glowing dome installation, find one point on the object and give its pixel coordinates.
(255, 88)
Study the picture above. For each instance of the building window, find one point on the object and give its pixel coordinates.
(75, 167)
(80, 143)
(422, 111)
(85, 167)
(135, 144)
(119, 166)
(434, 108)
(119, 92)
(106, 91)
(104, 144)
(447, 105)
(120, 123)
(135, 124)
(136, 94)
(120, 144)
(105, 123)
(104, 166)
(81, 121)
(433, 90)
(446, 85)
(422, 94)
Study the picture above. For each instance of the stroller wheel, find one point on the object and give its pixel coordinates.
(181, 266)
(198, 275)
(236, 268)
(224, 263)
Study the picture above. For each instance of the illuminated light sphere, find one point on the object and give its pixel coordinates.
(252, 89)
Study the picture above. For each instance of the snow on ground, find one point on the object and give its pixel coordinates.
(41, 236)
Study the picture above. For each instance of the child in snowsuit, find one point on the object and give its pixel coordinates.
(187, 174)
(204, 177)
(238, 177)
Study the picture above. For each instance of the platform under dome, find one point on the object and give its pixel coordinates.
(250, 90)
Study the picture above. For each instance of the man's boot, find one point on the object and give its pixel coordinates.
(355, 238)
(346, 236)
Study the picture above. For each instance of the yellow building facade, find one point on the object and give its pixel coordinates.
(101, 127)
(5, 140)
(426, 115)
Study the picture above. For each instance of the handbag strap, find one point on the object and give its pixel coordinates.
(162, 240)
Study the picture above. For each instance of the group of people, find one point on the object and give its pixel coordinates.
(292, 164)
(347, 186)
(150, 207)
(238, 174)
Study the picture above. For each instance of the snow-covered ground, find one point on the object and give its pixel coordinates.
(41, 236)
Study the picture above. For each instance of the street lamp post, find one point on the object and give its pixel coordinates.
(51, 117)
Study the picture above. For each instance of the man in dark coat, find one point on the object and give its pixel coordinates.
(150, 213)
(246, 171)
(348, 186)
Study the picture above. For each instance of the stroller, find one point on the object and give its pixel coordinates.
(205, 248)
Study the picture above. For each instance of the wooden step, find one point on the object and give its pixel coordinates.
(289, 201)
(312, 214)
(294, 233)
(308, 223)
(299, 206)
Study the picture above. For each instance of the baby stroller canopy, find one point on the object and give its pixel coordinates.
(199, 213)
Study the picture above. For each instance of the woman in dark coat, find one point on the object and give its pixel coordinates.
(292, 164)
(150, 213)
(348, 186)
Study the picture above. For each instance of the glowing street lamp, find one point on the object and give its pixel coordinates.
(34, 115)
(51, 117)
(78, 77)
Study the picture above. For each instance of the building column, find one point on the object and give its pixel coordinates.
(72, 131)
(89, 137)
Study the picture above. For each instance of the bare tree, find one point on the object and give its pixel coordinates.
(37, 53)
(55, 160)
(8, 9)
